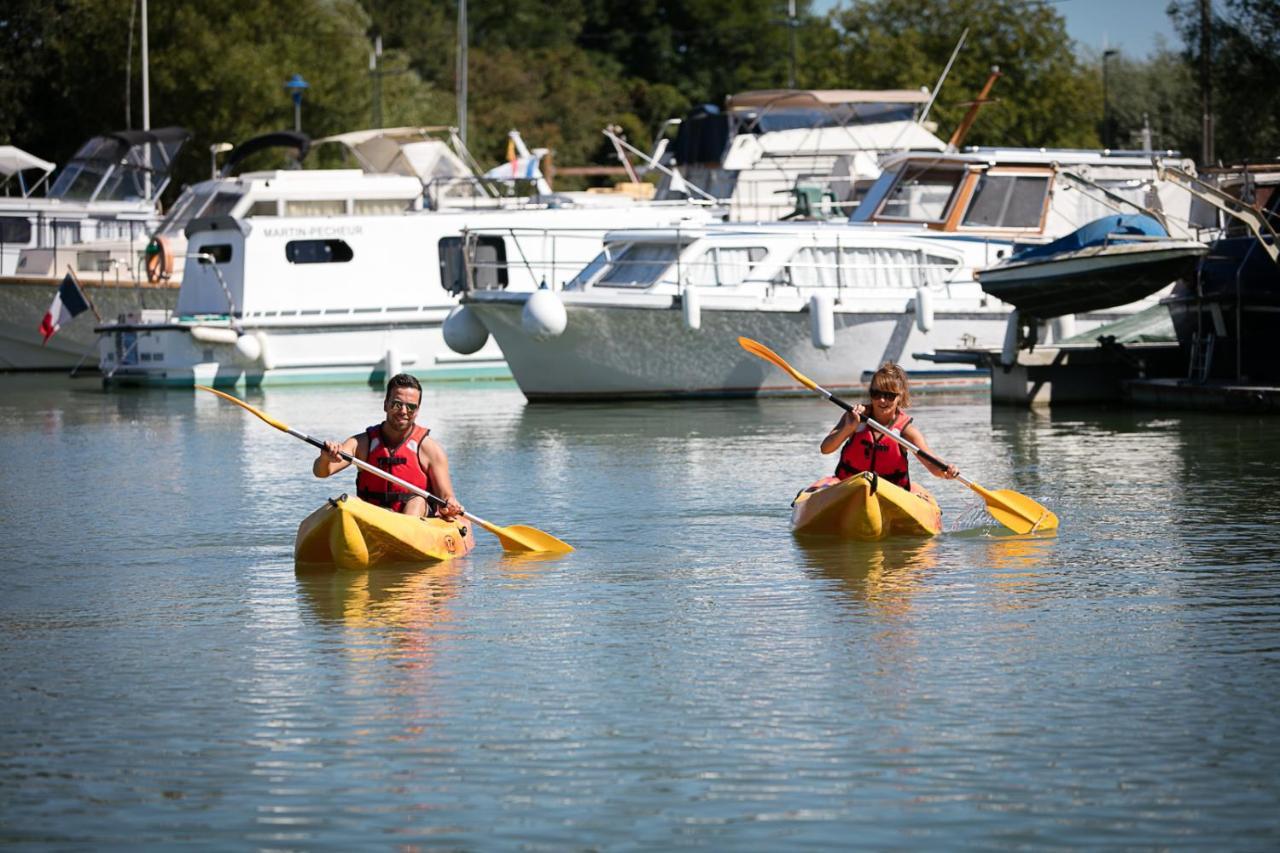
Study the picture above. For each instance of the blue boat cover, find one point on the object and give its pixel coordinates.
(1096, 233)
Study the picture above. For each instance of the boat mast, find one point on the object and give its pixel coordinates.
(460, 72)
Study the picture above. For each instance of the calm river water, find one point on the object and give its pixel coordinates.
(691, 676)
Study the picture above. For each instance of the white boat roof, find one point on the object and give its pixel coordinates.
(412, 151)
(1031, 156)
(824, 97)
(14, 160)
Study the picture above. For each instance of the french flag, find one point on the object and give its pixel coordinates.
(68, 302)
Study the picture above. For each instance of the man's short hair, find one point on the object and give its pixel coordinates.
(402, 380)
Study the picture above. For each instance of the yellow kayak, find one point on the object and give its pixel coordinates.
(865, 507)
(351, 534)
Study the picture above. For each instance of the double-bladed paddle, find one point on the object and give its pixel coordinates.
(1015, 511)
(516, 537)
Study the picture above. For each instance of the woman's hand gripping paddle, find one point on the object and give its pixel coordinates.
(1015, 511)
(516, 537)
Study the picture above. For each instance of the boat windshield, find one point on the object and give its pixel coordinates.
(921, 194)
(838, 115)
(202, 200)
(109, 168)
(638, 265)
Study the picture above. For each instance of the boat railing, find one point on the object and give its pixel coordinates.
(1255, 220)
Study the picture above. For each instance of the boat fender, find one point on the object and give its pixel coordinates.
(1064, 327)
(214, 335)
(248, 348)
(464, 332)
(692, 305)
(159, 259)
(1009, 352)
(268, 363)
(392, 363)
(924, 308)
(543, 315)
(822, 321)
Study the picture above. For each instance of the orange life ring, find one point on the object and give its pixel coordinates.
(159, 260)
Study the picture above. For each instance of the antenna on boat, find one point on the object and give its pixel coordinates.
(460, 72)
(938, 88)
(953, 144)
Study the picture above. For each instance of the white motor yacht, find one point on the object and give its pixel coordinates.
(658, 313)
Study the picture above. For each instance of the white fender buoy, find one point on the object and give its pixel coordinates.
(268, 363)
(392, 363)
(464, 333)
(822, 320)
(924, 308)
(1009, 352)
(248, 348)
(692, 305)
(214, 335)
(543, 315)
(1064, 327)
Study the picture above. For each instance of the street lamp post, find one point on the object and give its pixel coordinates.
(296, 86)
(1106, 100)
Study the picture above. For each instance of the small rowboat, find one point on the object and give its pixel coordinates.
(351, 534)
(864, 507)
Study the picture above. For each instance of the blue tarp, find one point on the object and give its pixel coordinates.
(1106, 229)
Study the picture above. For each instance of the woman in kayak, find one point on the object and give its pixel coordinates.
(864, 448)
(402, 448)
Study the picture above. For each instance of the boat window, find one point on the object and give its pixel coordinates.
(588, 273)
(15, 229)
(220, 204)
(263, 208)
(923, 194)
(867, 267)
(381, 206)
(1008, 201)
(639, 265)
(724, 266)
(220, 252)
(315, 207)
(317, 252)
(488, 266)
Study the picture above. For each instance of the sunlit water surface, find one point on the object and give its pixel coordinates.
(692, 675)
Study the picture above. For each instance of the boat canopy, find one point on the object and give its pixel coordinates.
(299, 143)
(809, 98)
(14, 161)
(1108, 229)
(128, 165)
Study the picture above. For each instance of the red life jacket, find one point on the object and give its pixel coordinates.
(401, 461)
(870, 450)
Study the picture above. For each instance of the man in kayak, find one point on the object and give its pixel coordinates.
(401, 448)
(863, 448)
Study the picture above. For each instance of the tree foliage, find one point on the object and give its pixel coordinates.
(561, 70)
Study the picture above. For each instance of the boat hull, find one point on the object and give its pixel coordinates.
(24, 301)
(611, 351)
(864, 507)
(183, 352)
(348, 533)
(1092, 278)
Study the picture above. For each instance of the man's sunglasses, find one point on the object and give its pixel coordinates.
(408, 407)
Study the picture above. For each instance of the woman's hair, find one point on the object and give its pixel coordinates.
(891, 377)
(402, 380)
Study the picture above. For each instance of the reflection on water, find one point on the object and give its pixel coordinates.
(884, 574)
(394, 611)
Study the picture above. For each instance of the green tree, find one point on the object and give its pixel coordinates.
(1245, 65)
(1045, 97)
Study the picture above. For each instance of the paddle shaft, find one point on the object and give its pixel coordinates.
(374, 469)
(894, 434)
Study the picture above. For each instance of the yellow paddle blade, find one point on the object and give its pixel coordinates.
(1016, 511)
(242, 404)
(521, 537)
(759, 350)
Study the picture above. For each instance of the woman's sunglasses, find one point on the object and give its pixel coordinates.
(877, 394)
